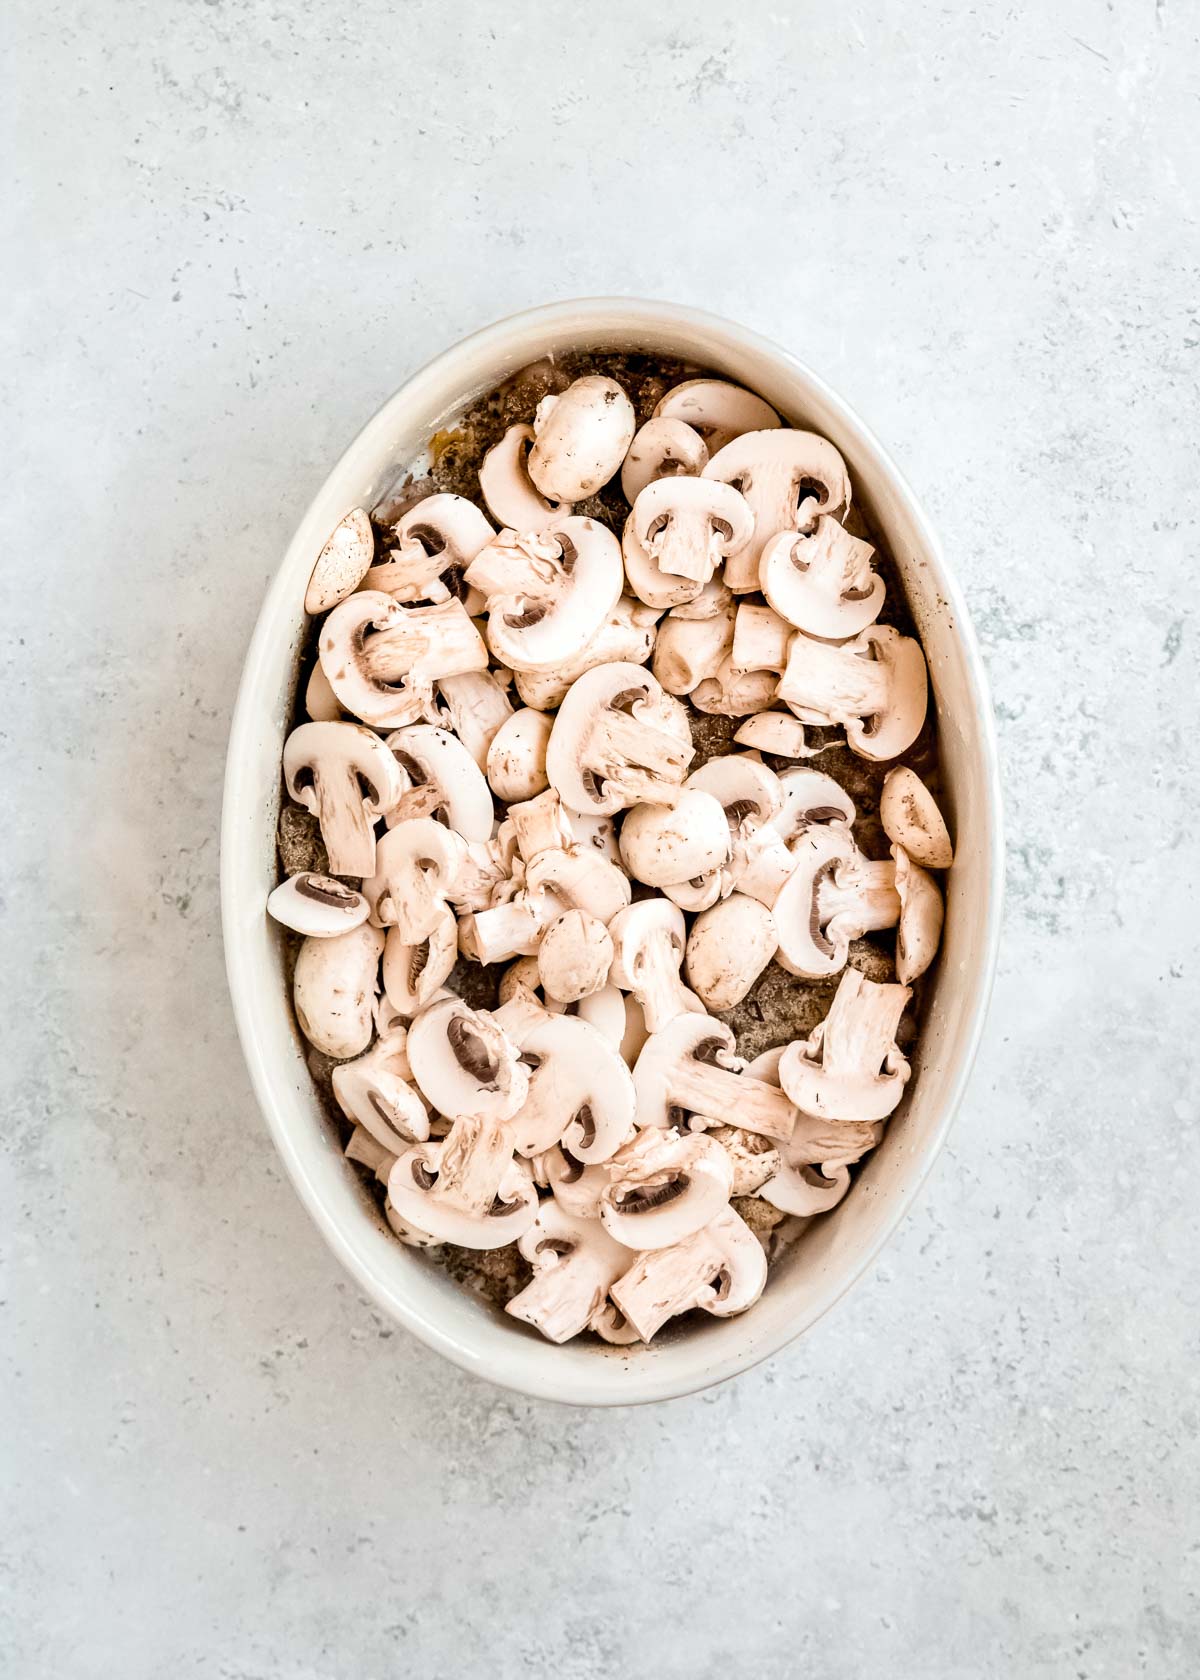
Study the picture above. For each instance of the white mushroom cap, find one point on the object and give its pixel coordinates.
(663, 1186)
(626, 636)
(574, 956)
(375, 1092)
(806, 1190)
(548, 612)
(787, 478)
(580, 1091)
(875, 686)
(417, 864)
(921, 913)
(833, 896)
(778, 733)
(580, 438)
(721, 1269)
(691, 645)
(519, 977)
(413, 974)
(334, 988)
(729, 946)
(512, 498)
(760, 639)
(342, 563)
(717, 410)
(320, 702)
(810, 797)
(822, 582)
(910, 818)
(516, 760)
(850, 1067)
(382, 658)
(748, 792)
(604, 1009)
(346, 777)
(432, 757)
(580, 878)
(662, 448)
(466, 1190)
(317, 905)
(464, 1064)
(700, 893)
(648, 945)
(478, 706)
(689, 1067)
(617, 740)
(661, 844)
(682, 528)
(574, 1261)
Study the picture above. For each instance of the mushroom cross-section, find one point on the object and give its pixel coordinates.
(574, 1261)
(626, 636)
(677, 534)
(376, 1092)
(547, 595)
(832, 1144)
(689, 1067)
(581, 436)
(477, 706)
(822, 581)
(850, 1067)
(464, 1064)
(874, 686)
(720, 1269)
(663, 1185)
(513, 499)
(662, 448)
(334, 988)
(717, 410)
(648, 946)
(344, 775)
(617, 740)
(437, 540)
(432, 757)
(788, 478)
(416, 867)
(317, 905)
(414, 972)
(580, 1091)
(382, 659)
(833, 895)
(467, 1189)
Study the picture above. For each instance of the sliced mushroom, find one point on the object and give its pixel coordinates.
(478, 707)
(575, 1187)
(466, 1190)
(850, 1067)
(874, 686)
(626, 636)
(662, 844)
(617, 740)
(432, 757)
(416, 867)
(516, 760)
(414, 973)
(580, 1091)
(663, 1186)
(778, 733)
(574, 1263)
(760, 639)
(512, 498)
(548, 595)
(721, 1269)
(574, 956)
(921, 914)
(662, 448)
(334, 988)
(363, 1149)
(346, 777)
(822, 581)
(764, 860)
(317, 905)
(733, 693)
(677, 534)
(718, 410)
(694, 639)
(832, 896)
(342, 563)
(439, 536)
(580, 878)
(604, 1009)
(689, 1067)
(748, 792)
(382, 659)
(540, 824)
(581, 436)
(464, 1064)
(513, 929)
(729, 946)
(753, 1160)
(788, 478)
(830, 1144)
(806, 1190)
(648, 946)
(910, 818)
(375, 1091)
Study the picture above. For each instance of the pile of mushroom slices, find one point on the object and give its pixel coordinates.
(600, 1117)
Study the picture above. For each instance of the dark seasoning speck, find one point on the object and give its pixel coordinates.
(779, 1007)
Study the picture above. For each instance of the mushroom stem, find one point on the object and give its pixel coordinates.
(475, 1156)
(562, 1297)
(842, 684)
(857, 897)
(508, 930)
(346, 828)
(734, 1099)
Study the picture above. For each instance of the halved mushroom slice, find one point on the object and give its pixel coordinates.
(822, 581)
(618, 740)
(662, 448)
(748, 792)
(376, 1092)
(734, 693)
(540, 824)
(921, 914)
(663, 1186)
(850, 1067)
(548, 595)
(677, 534)
(662, 844)
(581, 436)
(464, 1064)
(605, 1010)
(382, 659)
(778, 733)
(574, 1262)
(574, 956)
(721, 1270)
(832, 896)
(788, 478)
(694, 638)
(512, 929)
(346, 777)
(367, 1152)
(580, 878)
(910, 818)
(416, 867)
(575, 1187)
(689, 1067)
(512, 498)
(477, 707)
(334, 988)
(317, 905)
(437, 540)
(648, 945)
(729, 946)
(413, 974)
(753, 1160)
(718, 410)
(830, 1144)
(760, 639)
(432, 757)
(342, 563)
(580, 1091)
(806, 1190)
(875, 686)
(764, 861)
(516, 760)
(466, 1190)
(626, 637)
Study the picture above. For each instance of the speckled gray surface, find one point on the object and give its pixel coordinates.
(236, 228)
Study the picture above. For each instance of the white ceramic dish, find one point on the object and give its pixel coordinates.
(838, 1248)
